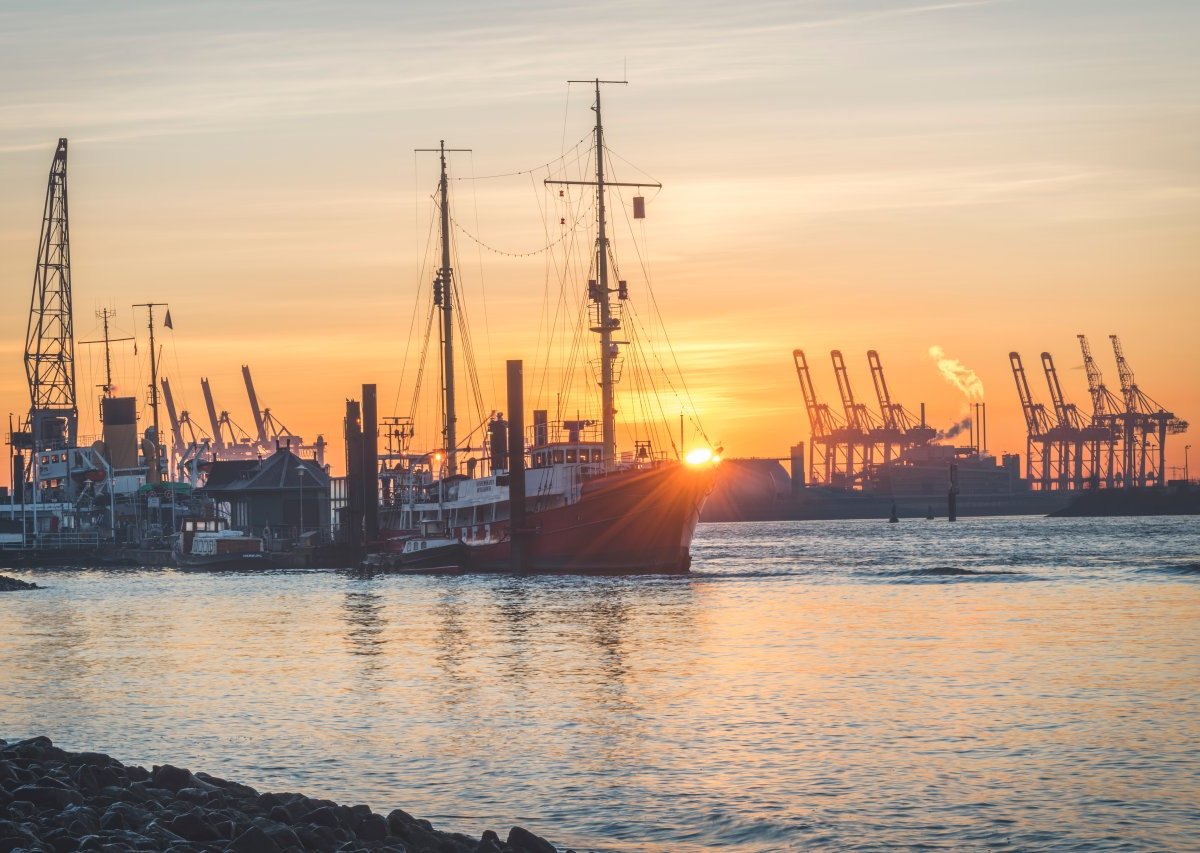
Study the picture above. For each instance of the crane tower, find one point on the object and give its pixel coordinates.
(50, 338)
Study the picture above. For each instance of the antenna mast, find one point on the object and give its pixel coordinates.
(443, 298)
(155, 469)
(105, 314)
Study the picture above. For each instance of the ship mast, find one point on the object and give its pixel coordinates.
(154, 473)
(599, 291)
(105, 314)
(607, 323)
(443, 298)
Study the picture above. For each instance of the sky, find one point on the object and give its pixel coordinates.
(980, 177)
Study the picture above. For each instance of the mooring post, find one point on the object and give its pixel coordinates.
(516, 465)
(952, 497)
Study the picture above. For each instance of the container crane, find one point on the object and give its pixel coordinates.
(861, 424)
(823, 423)
(1038, 426)
(1067, 443)
(899, 425)
(1107, 414)
(1146, 428)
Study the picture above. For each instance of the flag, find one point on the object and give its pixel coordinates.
(167, 322)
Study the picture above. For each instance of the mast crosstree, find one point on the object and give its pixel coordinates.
(599, 290)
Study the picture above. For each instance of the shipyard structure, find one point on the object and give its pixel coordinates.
(866, 462)
(125, 492)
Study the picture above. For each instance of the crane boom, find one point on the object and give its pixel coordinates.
(218, 440)
(259, 425)
(176, 431)
(1036, 419)
(820, 418)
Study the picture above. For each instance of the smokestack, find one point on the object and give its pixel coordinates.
(119, 415)
(797, 468)
(352, 518)
(370, 463)
(516, 465)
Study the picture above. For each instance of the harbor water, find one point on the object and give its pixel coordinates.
(1005, 683)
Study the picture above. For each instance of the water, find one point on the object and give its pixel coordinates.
(993, 684)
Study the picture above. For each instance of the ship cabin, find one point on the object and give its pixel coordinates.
(572, 443)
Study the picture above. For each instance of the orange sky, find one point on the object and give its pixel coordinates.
(981, 176)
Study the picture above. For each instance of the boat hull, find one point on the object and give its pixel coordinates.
(630, 522)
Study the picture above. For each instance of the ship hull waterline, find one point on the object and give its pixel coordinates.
(629, 522)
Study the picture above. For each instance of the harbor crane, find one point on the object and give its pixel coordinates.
(1038, 425)
(1146, 427)
(823, 423)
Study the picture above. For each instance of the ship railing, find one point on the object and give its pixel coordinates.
(74, 541)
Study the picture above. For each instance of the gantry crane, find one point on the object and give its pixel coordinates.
(1038, 425)
(858, 437)
(1072, 456)
(1107, 416)
(899, 427)
(823, 423)
(1146, 427)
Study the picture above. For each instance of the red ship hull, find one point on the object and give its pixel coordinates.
(629, 522)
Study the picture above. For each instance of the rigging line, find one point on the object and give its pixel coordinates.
(464, 330)
(474, 177)
(552, 322)
(686, 397)
(544, 317)
(487, 328)
(494, 250)
(657, 189)
(421, 278)
(657, 397)
(559, 303)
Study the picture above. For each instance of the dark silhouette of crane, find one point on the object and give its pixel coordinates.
(1146, 427)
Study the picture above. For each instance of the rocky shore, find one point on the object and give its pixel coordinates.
(8, 584)
(54, 800)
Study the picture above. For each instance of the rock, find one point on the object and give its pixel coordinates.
(324, 816)
(193, 826)
(253, 840)
(47, 797)
(489, 842)
(52, 800)
(526, 842)
(8, 584)
(373, 828)
(173, 778)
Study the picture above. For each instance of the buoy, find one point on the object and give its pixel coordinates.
(894, 519)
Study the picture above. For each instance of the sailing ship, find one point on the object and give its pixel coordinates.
(583, 507)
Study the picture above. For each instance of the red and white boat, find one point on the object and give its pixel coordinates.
(587, 507)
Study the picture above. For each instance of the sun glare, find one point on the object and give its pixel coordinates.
(699, 456)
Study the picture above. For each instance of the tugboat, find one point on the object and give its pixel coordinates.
(208, 543)
(586, 507)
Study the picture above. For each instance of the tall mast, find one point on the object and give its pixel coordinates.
(443, 298)
(607, 323)
(446, 282)
(155, 470)
(599, 293)
(105, 314)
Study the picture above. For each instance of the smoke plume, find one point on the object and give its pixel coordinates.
(959, 375)
(955, 429)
